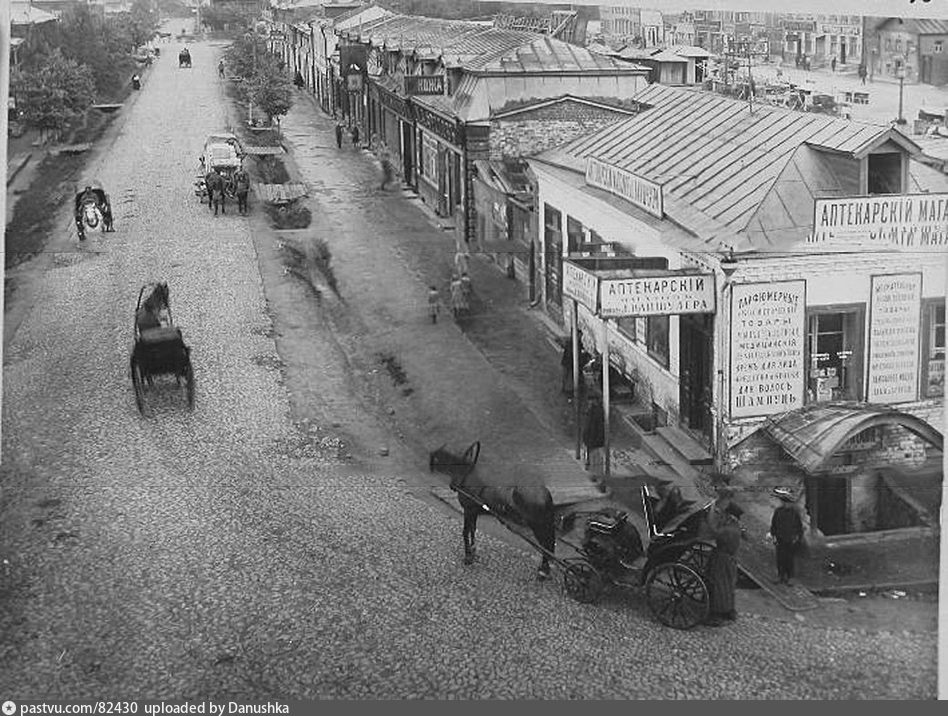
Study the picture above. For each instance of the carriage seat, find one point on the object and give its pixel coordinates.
(164, 334)
(605, 523)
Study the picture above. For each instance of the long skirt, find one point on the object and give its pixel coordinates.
(722, 581)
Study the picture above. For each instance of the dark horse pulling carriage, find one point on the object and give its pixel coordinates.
(159, 347)
(184, 58)
(671, 571)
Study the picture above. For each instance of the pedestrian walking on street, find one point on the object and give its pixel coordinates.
(242, 188)
(786, 532)
(339, 133)
(833, 64)
(298, 80)
(566, 363)
(594, 437)
(467, 291)
(220, 69)
(388, 171)
(434, 303)
(457, 296)
(725, 528)
(462, 261)
(354, 132)
(862, 73)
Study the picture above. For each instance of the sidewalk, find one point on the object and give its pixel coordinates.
(495, 376)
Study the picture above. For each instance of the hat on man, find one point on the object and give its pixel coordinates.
(784, 493)
(734, 510)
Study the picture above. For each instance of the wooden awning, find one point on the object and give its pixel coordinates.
(812, 434)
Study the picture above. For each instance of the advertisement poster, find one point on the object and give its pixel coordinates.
(767, 341)
(894, 318)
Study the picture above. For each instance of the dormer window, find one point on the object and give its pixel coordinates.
(885, 173)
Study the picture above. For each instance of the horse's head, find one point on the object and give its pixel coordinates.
(90, 214)
(162, 294)
(457, 466)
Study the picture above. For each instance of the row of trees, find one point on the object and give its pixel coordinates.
(262, 79)
(80, 58)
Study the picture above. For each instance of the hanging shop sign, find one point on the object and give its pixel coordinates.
(668, 294)
(894, 320)
(581, 285)
(767, 341)
(905, 222)
(642, 192)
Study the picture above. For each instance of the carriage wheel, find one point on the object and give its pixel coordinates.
(697, 556)
(677, 596)
(189, 384)
(582, 581)
(138, 385)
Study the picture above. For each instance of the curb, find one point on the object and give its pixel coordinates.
(11, 175)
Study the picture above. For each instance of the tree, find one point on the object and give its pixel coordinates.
(57, 92)
(269, 89)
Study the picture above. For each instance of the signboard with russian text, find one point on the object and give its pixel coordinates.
(642, 192)
(894, 332)
(580, 285)
(424, 84)
(904, 222)
(670, 294)
(768, 324)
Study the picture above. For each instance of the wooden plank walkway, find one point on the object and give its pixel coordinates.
(279, 193)
(263, 151)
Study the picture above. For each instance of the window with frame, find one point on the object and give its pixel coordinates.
(933, 348)
(553, 240)
(898, 45)
(656, 338)
(574, 235)
(834, 353)
(888, 43)
(429, 158)
(938, 46)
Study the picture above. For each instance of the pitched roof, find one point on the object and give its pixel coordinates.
(740, 171)
(690, 51)
(23, 13)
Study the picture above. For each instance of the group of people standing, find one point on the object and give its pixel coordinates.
(352, 131)
(461, 290)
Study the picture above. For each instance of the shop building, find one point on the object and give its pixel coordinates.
(436, 91)
(828, 268)
(916, 45)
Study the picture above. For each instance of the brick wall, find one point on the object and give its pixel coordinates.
(540, 129)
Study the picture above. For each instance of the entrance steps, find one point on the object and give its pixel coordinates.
(685, 445)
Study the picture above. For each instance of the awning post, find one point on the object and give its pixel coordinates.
(574, 337)
(605, 395)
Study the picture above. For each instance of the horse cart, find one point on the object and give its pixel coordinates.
(159, 346)
(222, 153)
(92, 209)
(184, 58)
(671, 573)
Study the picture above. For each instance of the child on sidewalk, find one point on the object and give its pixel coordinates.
(434, 303)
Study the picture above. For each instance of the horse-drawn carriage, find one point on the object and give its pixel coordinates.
(92, 209)
(671, 572)
(184, 58)
(159, 346)
(222, 152)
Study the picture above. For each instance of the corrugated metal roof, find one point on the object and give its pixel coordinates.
(690, 51)
(711, 153)
(811, 435)
(931, 27)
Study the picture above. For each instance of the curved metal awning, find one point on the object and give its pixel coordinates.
(811, 435)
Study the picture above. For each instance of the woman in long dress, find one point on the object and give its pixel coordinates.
(725, 525)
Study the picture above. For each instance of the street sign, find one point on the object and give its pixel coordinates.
(627, 185)
(906, 222)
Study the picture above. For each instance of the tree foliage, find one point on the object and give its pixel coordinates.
(224, 15)
(54, 93)
(263, 80)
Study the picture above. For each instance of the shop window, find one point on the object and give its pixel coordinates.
(888, 43)
(429, 158)
(553, 240)
(938, 45)
(898, 45)
(834, 354)
(656, 338)
(574, 235)
(933, 349)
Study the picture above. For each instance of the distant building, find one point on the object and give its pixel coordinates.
(920, 46)
(823, 37)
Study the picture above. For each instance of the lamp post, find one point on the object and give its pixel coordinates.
(900, 73)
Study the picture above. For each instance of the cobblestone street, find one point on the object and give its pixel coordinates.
(216, 554)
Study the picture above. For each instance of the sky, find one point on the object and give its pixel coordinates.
(882, 8)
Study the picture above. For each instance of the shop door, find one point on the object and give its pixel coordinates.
(442, 182)
(829, 495)
(926, 72)
(408, 153)
(696, 333)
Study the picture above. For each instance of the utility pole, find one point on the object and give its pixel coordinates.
(4, 119)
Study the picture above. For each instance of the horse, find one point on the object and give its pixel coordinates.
(150, 313)
(530, 506)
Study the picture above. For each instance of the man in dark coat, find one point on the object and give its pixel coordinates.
(786, 531)
(339, 132)
(242, 188)
(215, 191)
(594, 436)
(725, 528)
